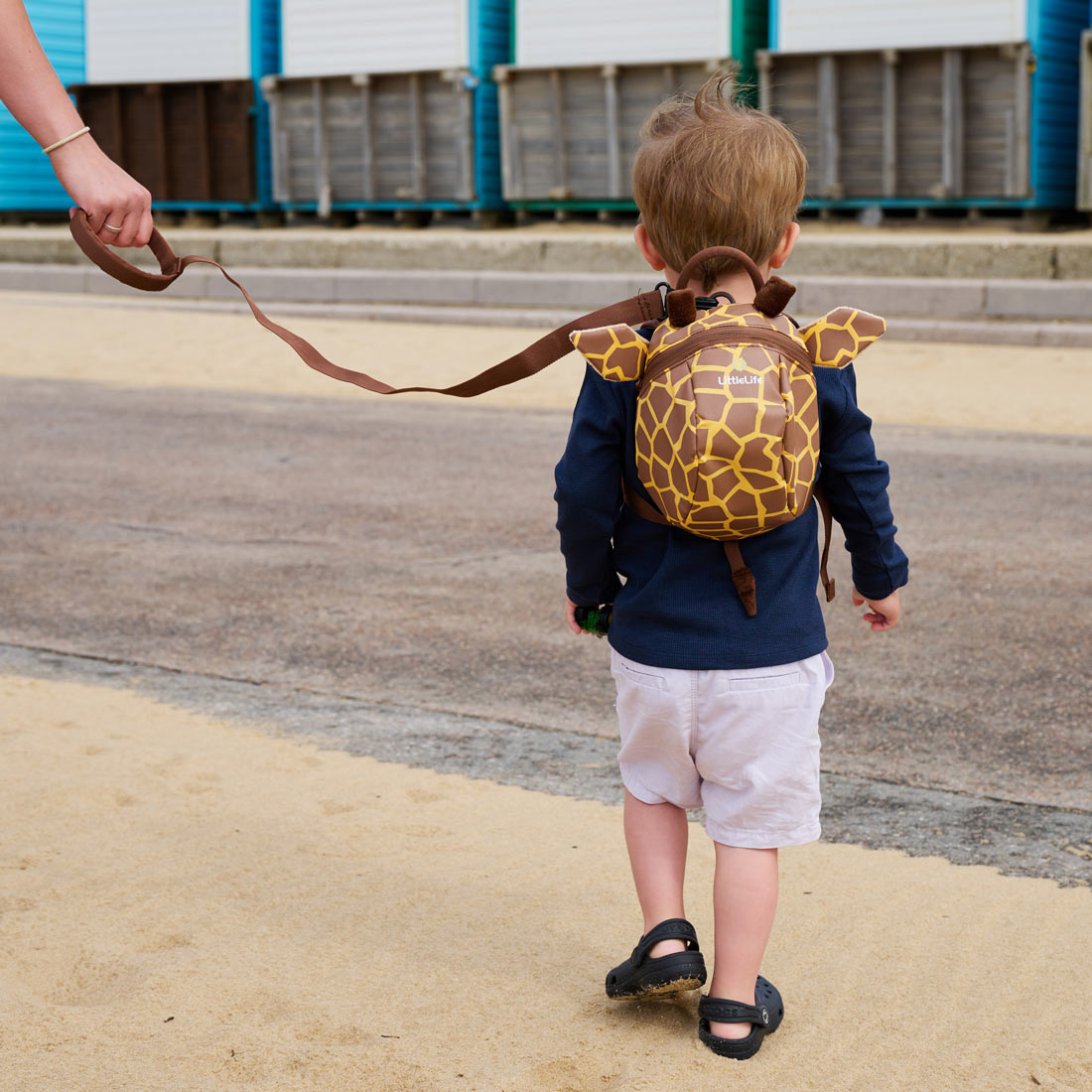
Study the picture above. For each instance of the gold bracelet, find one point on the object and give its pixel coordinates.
(64, 140)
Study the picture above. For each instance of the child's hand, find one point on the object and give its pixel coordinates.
(570, 615)
(882, 614)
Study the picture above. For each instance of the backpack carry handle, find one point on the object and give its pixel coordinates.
(771, 296)
(744, 260)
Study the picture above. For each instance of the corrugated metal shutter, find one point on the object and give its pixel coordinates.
(340, 37)
(393, 138)
(574, 32)
(570, 134)
(814, 26)
(157, 41)
(187, 142)
(920, 124)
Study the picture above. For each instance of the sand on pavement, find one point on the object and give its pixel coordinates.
(1014, 388)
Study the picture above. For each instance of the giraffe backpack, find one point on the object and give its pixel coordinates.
(727, 433)
(728, 416)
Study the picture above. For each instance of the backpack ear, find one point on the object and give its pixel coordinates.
(617, 353)
(841, 335)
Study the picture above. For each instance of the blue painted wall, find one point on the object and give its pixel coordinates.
(1054, 31)
(490, 44)
(26, 179)
(265, 60)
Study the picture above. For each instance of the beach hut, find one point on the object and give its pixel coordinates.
(1084, 177)
(585, 76)
(929, 104)
(27, 182)
(388, 107)
(171, 92)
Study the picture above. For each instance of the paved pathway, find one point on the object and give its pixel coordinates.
(402, 554)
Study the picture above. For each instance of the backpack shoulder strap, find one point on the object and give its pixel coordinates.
(742, 578)
(646, 307)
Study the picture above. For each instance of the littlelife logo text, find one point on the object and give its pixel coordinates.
(738, 380)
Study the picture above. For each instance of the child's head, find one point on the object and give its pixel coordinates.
(711, 172)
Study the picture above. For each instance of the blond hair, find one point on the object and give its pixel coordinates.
(712, 172)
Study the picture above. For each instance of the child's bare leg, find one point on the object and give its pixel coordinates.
(744, 904)
(656, 837)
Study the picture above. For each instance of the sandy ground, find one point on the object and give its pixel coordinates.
(190, 904)
(194, 905)
(1005, 387)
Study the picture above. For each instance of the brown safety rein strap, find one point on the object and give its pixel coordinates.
(742, 578)
(646, 307)
(643, 308)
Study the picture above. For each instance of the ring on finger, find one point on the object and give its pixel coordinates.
(110, 227)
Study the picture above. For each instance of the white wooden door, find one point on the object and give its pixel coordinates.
(146, 41)
(340, 37)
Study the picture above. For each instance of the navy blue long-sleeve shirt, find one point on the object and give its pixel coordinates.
(674, 602)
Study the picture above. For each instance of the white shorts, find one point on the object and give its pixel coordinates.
(743, 745)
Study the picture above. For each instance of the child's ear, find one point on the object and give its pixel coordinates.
(647, 248)
(785, 246)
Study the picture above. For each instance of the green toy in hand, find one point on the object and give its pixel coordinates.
(594, 619)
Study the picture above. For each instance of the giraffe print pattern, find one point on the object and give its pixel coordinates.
(841, 335)
(727, 437)
(617, 353)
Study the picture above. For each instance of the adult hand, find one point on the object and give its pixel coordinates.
(33, 93)
(118, 207)
(882, 614)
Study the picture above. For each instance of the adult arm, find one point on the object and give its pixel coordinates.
(32, 92)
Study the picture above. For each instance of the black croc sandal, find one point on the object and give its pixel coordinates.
(644, 976)
(764, 1016)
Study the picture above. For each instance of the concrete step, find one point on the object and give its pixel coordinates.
(918, 308)
(822, 251)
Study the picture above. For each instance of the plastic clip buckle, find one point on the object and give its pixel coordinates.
(663, 288)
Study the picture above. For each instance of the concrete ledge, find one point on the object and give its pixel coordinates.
(822, 251)
(304, 285)
(1073, 258)
(580, 292)
(998, 332)
(1039, 299)
(962, 309)
(1005, 259)
(20, 277)
(374, 286)
(1076, 335)
(911, 296)
(195, 283)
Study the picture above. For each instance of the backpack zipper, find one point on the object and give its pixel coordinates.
(727, 334)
